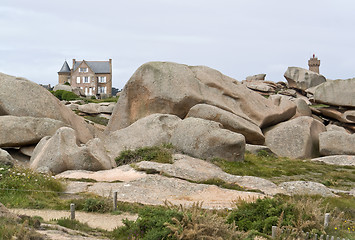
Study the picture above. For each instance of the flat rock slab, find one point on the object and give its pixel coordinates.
(123, 173)
(155, 189)
(306, 188)
(340, 160)
(197, 170)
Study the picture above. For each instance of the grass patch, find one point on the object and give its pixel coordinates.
(20, 187)
(73, 224)
(279, 169)
(111, 99)
(98, 120)
(160, 154)
(13, 229)
(319, 106)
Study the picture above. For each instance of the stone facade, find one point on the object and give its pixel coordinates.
(314, 64)
(93, 77)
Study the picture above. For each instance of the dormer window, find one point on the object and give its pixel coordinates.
(83, 69)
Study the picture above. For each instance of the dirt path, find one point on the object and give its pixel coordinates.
(94, 220)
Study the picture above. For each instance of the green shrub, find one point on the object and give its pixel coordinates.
(161, 154)
(96, 205)
(67, 83)
(262, 215)
(65, 95)
(73, 224)
(150, 225)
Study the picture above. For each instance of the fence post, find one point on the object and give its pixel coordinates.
(114, 201)
(315, 236)
(327, 237)
(273, 231)
(332, 238)
(72, 211)
(326, 220)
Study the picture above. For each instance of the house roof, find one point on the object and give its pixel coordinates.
(65, 68)
(96, 66)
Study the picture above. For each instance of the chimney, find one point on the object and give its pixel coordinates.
(73, 63)
(110, 61)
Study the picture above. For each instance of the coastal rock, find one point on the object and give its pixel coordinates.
(206, 139)
(230, 121)
(336, 143)
(336, 92)
(296, 138)
(152, 130)
(32, 100)
(60, 152)
(22, 131)
(306, 188)
(303, 79)
(150, 90)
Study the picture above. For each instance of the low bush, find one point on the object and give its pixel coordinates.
(73, 224)
(65, 95)
(96, 205)
(261, 215)
(150, 225)
(161, 154)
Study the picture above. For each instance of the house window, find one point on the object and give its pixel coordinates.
(86, 79)
(101, 90)
(83, 69)
(102, 79)
(77, 79)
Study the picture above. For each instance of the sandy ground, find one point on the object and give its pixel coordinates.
(94, 220)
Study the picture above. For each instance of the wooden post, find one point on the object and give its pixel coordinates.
(72, 211)
(273, 231)
(327, 237)
(316, 236)
(326, 220)
(114, 201)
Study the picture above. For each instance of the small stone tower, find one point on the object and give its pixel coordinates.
(64, 74)
(314, 64)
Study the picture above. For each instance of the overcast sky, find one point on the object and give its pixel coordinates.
(237, 37)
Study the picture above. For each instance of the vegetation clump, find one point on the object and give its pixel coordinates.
(65, 95)
(160, 154)
(98, 120)
(281, 169)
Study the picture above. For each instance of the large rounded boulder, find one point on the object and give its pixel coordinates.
(21, 97)
(296, 138)
(171, 88)
(303, 79)
(60, 152)
(206, 139)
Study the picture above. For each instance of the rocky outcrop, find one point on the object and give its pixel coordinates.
(302, 79)
(336, 92)
(296, 138)
(336, 143)
(230, 121)
(60, 153)
(171, 88)
(197, 170)
(306, 188)
(206, 139)
(349, 115)
(153, 130)
(257, 77)
(340, 160)
(257, 149)
(5, 158)
(32, 100)
(21, 131)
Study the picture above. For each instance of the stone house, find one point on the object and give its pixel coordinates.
(93, 77)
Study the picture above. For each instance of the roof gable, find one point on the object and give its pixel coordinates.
(95, 66)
